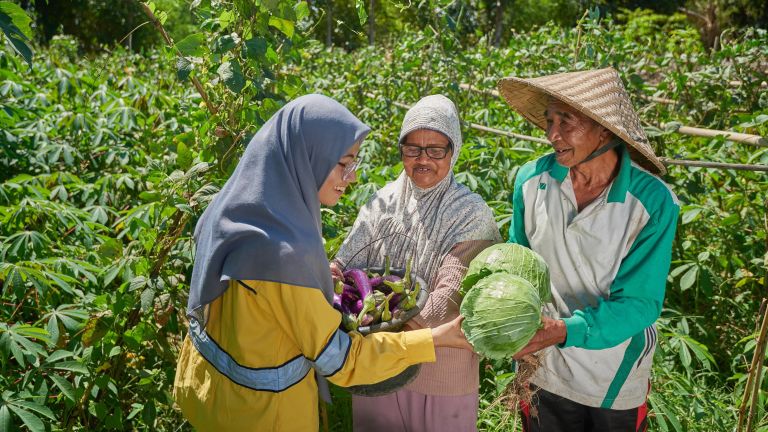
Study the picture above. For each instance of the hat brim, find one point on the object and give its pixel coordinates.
(531, 100)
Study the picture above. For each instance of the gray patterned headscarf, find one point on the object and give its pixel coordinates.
(403, 220)
(265, 222)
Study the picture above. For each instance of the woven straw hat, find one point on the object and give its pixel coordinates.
(599, 94)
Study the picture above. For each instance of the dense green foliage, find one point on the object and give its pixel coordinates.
(106, 162)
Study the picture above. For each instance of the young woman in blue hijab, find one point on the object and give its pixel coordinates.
(263, 336)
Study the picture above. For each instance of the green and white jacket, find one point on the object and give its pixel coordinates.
(608, 266)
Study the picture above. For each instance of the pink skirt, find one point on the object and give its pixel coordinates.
(409, 411)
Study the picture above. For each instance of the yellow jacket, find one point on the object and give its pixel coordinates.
(264, 325)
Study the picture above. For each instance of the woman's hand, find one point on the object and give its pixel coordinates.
(450, 335)
(336, 272)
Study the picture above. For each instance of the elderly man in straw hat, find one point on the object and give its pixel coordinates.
(598, 213)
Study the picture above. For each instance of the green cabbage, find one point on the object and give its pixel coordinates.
(501, 313)
(510, 258)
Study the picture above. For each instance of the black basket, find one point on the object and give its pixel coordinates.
(394, 325)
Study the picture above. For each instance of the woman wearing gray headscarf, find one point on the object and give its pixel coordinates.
(426, 216)
(258, 327)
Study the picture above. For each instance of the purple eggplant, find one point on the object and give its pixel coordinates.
(361, 282)
(394, 300)
(363, 286)
(376, 281)
(351, 303)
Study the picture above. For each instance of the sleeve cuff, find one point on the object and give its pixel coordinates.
(576, 331)
(421, 348)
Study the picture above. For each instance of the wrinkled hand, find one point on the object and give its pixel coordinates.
(553, 332)
(336, 272)
(450, 335)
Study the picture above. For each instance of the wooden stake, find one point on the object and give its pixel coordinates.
(715, 165)
(664, 160)
(729, 135)
(685, 130)
(755, 372)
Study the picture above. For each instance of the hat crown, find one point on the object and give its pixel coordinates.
(599, 94)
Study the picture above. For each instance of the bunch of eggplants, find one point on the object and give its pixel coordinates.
(365, 298)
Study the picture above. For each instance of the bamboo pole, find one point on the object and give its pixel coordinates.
(685, 130)
(756, 140)
(495, 93)
(507, 134)
(750, 376)
(664, 160)
(716, 165)
(740, 83)
(752, 390)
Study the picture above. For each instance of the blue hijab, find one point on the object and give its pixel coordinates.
(265, 224)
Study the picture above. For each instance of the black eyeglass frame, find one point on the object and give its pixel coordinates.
(445, 150)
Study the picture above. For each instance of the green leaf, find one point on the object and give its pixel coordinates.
(283, 25)
(147, 299)
(58, 355)
(115, 351)
(689, 278)
(184, 68)
(226, 42)
(30, 420)
(5, 419)
(226, 18)
(150, 196)
(184, 156)
(64, 385)
(53, 329)
(680, 269)
(691, 215)
(255, 48)
(271, 56)
(361, 13)
(193, 45)
(17, 38)
(73, 366)
(137, 283)
(94, 330)
(302, 10)
(17, 17)
(232, 75)
(135, 409)
(40, 409)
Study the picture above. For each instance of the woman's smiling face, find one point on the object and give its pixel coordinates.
(422, 169)
(335, 184)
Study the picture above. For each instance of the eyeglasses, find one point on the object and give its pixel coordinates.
(348, 169)
(433, 151)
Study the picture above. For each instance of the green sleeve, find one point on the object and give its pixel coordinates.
(637, 292)
(517, 224)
